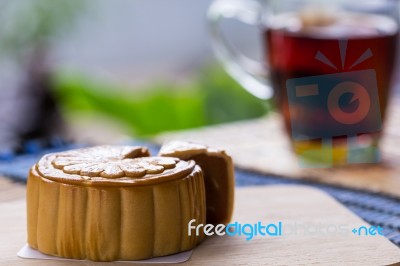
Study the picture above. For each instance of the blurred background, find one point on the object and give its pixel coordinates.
(105, 71)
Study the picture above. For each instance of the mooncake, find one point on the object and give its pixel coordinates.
(218, 170)
(111, 203)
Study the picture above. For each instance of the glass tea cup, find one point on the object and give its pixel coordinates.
(328, 65)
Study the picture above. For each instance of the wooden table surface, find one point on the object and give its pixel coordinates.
(289, 204)
(261, 145)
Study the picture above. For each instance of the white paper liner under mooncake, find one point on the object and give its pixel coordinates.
(29, 253)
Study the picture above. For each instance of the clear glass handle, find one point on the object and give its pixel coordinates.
(252, 75)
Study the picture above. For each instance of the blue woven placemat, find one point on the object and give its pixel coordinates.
(377, 209)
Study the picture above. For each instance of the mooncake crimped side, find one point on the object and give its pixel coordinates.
(114, 223)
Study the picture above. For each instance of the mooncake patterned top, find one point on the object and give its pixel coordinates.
(111, 165)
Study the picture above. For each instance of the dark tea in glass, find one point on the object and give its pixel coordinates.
(309, 46)
(328, 65)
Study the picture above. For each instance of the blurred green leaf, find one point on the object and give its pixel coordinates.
(226, 100)
(211, 98)
(152, 110)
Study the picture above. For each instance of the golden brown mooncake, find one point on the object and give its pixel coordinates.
(113, 203)
(218, 171)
